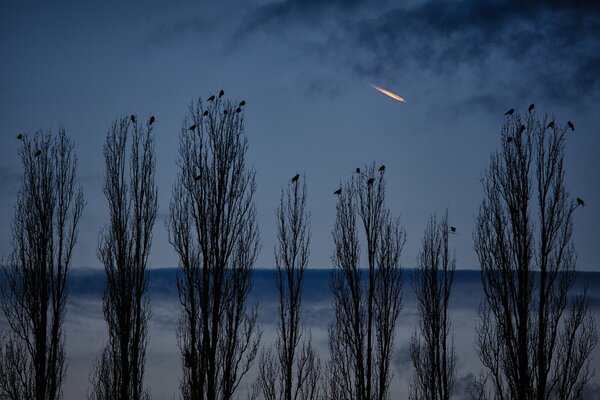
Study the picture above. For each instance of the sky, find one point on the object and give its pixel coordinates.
(305, 69)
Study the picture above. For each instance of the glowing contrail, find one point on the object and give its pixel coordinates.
(388, 93)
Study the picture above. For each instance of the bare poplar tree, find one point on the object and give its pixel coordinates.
(535, 336)
(432, 348)
(292, 373)
(44, 233)
(361, 337)
(212, 226)
(124, 248)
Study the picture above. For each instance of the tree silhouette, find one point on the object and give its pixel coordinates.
(535, 336)
(291, 373)
(212, 226)
(432, 348)
(124, 248)
(361, 336)
(44, 233)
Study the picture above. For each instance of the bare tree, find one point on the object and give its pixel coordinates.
(212, 226)
(124, 248)
(535, 337)
(432, 348)
(44, 233)
(291, 373)
(361, 337)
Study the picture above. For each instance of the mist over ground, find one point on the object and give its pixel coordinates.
(85, 327)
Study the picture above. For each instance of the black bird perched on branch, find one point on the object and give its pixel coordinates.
(20, 136)
(338, 192)
(191, 128)
(382, 168)
(132, 118)
(570, 125)
(211, 98)
(295, 178)
(37, 153)
(242, 103)
(358, 170)
(531, 107)
(221, 93)
(510, 112)
(205, 113)
(197, 178)
(224, 112)
(370, 181)
(550, 125)
(152, 119)
(522, 129)
(580, 202)
(452, 229)
(237, 110)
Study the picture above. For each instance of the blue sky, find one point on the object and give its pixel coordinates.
(305, 68)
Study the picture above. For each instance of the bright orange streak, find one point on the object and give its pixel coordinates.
(388, 93)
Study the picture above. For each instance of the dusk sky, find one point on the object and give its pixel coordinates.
(305, 69)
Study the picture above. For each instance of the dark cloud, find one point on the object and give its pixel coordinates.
(553, 46)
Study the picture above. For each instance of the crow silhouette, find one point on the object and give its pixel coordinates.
(221, 93)
(358, 170)
(580, 202)
(242, 103)
(531, 107)
(205, 113)
(132, 118)
(338, 192)
(20, 136)
(370, 181)
(452, 229)
(570, 125)
(192, 128)
(295, 178)
(510, 112)
(382, 168)
(550, 125)
(211, 98)
(152, 119)
(237, 110)
(37, 153)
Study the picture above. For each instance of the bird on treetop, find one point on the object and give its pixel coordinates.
(37, 153)
(580, 202)
(152, 119)
(531, 107)
(550, 125)
(20, 136)
(510, 112)
(295, 178)
(221, 93)
(570, 125)
(242, 103)
(211, 98)
(370, 181)
(191, 128)
(382, 168)
(132, 118)
(338, 192)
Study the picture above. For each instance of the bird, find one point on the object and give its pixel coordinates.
(237, 110)
(197, 178)
(370, 181)
(550, 125)
(242, 103)
(338, 192)
(205, 113)
(522, 129)
(509, 139)
(221, 93)
(211, 98)
(358, 170)
(510, 112)
(191, 128)
(20, 136)
(132, 118)
(570, 125)
(531, 107)
(580, 202)
(295, 178)
(452, 229)
(152, 119)
(382, 168)
(224, 112)
(37, 153)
